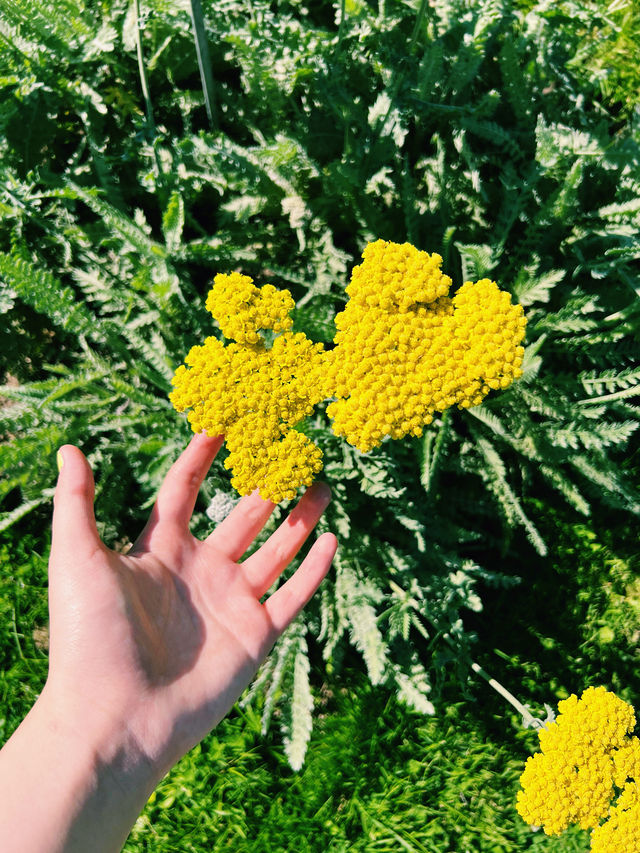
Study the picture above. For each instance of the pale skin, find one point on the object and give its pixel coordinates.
(149, 650)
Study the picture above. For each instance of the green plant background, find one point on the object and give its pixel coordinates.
(503, 135)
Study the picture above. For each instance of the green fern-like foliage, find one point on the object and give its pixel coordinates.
(466, 128)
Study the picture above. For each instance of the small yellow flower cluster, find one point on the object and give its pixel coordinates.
(241, 308)
(405, 350)
(621, 832)
(252, 394)
(584, 753)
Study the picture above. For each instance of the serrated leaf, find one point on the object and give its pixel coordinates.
(356, 602)
(173, 221)
(9, 518)
(300, 724)
(477, 261)
(537, 288)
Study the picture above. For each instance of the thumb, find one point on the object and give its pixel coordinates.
(74, 531)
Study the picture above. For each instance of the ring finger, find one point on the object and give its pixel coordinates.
(262, 568)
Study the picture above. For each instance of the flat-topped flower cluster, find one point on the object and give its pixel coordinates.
(587, 758)
(403, 350)
(252, 394)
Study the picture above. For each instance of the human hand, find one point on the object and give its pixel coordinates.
(157, 644)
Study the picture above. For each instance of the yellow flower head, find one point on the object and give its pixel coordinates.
(572, 779)
(241, 308)
(253, 394)
(405, 349)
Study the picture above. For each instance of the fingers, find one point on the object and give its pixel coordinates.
(286, 602)
(263, 567)
(234, 535)
(74, 530)
(179, 490)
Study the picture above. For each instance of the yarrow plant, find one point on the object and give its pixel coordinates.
(403, 350)
(587, 758)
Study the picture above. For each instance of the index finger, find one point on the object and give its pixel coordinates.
(179, 491)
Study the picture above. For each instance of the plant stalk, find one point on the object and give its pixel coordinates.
(204, 62)
(527, 717)
(144, 83)
(418, 24)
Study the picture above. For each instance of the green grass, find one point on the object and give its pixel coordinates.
(23, 627)
(377, 777)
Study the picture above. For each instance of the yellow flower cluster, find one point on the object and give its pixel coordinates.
(621, 832)
(405, 350)
(241, 308)
(252, 394)
(626, 762)
(585, 753)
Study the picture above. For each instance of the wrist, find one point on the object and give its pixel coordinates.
(101, 738)
(118, 726)
(94, 777)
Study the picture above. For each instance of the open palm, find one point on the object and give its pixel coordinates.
(168, 635)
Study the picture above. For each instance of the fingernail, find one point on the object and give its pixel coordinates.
(322, 493)
(59, 460)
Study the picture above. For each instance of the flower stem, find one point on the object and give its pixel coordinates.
(144, 83)
(204, 62)
(527, 718)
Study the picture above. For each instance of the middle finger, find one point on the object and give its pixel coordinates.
(236, 532)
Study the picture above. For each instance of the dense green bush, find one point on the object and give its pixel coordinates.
(575, 621)
(465, 127)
